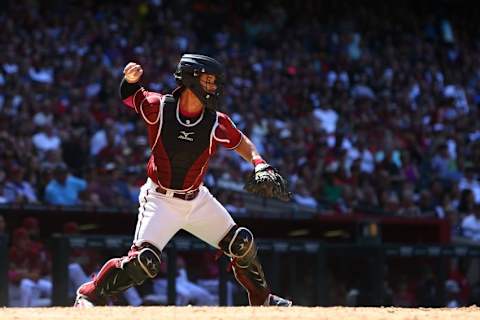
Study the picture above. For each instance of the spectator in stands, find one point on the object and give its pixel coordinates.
(366, 195)
(471, 224)
(104, 140)
(64, 188)
(31, 225)
(444, 164)
(234, 204)
(17, 189)
(303, 197)
(28, 267)
(47, 139)
(44, 116)
(331, 190)
(407, 203)
(347, 202)
(133, 185)
(109, 189)
(188, 292)
(410, 169)
(425, 203)
(75, 150)
(470, 182)
(85, 262)
(466, 203)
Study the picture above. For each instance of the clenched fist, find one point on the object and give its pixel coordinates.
(132, 72)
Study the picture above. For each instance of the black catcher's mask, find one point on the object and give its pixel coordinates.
(188, 72)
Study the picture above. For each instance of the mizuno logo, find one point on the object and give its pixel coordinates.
(186, 135)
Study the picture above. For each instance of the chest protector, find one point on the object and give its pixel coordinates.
(187, 146)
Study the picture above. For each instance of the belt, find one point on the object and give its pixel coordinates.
(189, 195)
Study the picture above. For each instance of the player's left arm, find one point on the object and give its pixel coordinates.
(228, 135)
(264, 180)
(247, 150)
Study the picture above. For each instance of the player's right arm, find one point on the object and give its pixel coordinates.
(133, 95)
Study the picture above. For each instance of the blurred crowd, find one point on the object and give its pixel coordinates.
(365, 109)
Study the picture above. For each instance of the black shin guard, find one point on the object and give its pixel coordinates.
(253, 280)
(117, 275)
(114, 282)
(240, 246)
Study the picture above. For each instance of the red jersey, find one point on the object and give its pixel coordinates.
(181, 150)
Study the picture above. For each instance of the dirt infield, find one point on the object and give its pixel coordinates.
(237, 313)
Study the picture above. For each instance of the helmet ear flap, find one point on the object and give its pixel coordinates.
(185, 70)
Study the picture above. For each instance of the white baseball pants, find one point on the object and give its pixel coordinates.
(160, 217)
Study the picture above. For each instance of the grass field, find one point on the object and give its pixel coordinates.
(237, 313)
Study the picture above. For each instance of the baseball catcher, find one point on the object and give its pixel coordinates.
(184, 130)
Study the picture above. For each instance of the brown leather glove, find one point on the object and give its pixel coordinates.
(267, 182)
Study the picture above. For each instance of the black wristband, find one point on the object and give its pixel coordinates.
(128, 89)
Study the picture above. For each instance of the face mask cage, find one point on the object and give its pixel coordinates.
(188, 75)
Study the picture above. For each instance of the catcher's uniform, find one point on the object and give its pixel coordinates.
(174, 197)
(181, 149)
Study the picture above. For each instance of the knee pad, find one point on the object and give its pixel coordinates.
(143, 262)
(240, 245)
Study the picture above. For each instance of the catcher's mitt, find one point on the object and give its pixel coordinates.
(267, 182)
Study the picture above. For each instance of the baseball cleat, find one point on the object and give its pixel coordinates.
(277, 301)
(83, 302)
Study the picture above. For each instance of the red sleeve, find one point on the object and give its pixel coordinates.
(226, 133)
(146, 103)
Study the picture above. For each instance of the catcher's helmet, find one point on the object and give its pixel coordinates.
(188, 72)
